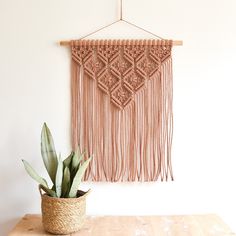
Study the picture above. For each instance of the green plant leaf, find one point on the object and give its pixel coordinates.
(59, 176)
(67, 161)
(77, 179)
(34, 175)
(48, 152)
(66, 182)
(50, 192)
(75, 159)
(81, 156)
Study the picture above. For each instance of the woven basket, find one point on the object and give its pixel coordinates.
(63, 215)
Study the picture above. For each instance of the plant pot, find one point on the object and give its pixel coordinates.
(63, 215)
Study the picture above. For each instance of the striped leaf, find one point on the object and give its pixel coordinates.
(77, 179)
(34, 175)
(59, 176)
(50, 192)
(66, 182)
(48, 152)
(67, 161)
(75, 159)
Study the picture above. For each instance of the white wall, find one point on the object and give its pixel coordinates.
(35, 87)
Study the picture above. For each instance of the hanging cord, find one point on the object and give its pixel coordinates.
(106, 26)
(143, 29)
(121, 19)
(121, 9)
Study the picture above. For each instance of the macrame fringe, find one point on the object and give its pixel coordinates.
(130, 144)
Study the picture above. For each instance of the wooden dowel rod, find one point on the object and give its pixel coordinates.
(178, 43)
(175, 43)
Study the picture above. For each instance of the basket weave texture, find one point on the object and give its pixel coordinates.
(63, 215)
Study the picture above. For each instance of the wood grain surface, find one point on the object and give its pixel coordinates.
(187, 225)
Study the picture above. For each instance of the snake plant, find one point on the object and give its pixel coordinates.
(65, 175)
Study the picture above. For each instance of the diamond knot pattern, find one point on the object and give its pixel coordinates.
(94, 66)
(108, 52)
(134, 51)
(81, 53)
(121, 96)
(148, 66)
(108, 81)
(121, 70)
(121, 65)
(134, 80)
(161, 52)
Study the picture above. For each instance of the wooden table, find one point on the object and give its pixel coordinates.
(188, 225)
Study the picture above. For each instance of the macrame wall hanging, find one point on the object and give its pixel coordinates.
(122, 106)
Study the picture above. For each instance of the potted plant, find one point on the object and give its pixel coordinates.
(63, 205)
